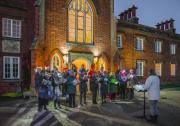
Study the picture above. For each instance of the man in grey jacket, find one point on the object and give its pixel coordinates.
(152, 85)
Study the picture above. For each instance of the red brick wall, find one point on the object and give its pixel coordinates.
(128, 54)
(56, 27)
(21, 10)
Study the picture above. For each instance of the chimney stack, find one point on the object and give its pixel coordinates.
(158, 26)
(129, 15)
(167, 25)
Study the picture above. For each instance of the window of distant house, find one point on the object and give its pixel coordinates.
(173, 49)
(173, 69)
(11, 67)
(139, 44)
(140, 68)
(11, 28)
(158, 46)
(158, 69)
(119, 41)
(80, 22)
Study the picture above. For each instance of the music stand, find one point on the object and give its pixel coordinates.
(144, 101)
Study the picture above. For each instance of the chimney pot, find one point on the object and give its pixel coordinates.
(122, 16)
(129, 14)
(171, 23)
(134, 8)
(158, 26)
(162, 26)
(166, 25)
(125, 15)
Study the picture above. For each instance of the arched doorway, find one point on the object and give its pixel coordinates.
(103, 62)
(78, 62)
(56, 62)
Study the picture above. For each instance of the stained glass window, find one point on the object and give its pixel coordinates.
(55, 62)
(80, 22)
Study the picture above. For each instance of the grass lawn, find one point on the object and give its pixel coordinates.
(11, 94)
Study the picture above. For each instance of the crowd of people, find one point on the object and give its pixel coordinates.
(55, 84)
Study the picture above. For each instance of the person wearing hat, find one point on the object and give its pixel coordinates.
(71, 88)
(83, 84)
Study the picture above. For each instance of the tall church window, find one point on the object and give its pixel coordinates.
(80, 19)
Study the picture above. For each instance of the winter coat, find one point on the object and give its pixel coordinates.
(43, 89)
(152, 85)
(83, 83)
(104, 85)
(131, 80)
(112, 87)
(71, 88)
(123, 80)
(38, 80)
(94, 81)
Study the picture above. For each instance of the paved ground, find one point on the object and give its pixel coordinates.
(118, 113)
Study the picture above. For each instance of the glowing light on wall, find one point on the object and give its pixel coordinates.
(65, 57)
(95, 59)
(96, 52)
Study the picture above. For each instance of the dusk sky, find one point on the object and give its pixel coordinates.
(150, 12)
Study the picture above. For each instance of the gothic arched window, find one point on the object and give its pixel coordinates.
(55, 62)
(80, 22)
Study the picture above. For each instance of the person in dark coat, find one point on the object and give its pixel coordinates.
(117, 75)
(74, 69)
(43, 92)
(83, 84)
(94, 87)
(38, 83)
(104, 86)
(38, 80)
(71, 88)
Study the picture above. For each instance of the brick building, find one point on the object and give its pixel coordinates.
(58, 33)
(142, 47)
(73, 31)
(16, 35)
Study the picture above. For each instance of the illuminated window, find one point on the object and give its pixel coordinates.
(173, 69)
(55, 63)
(158, 69)
(80, 22)
(158, 48)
